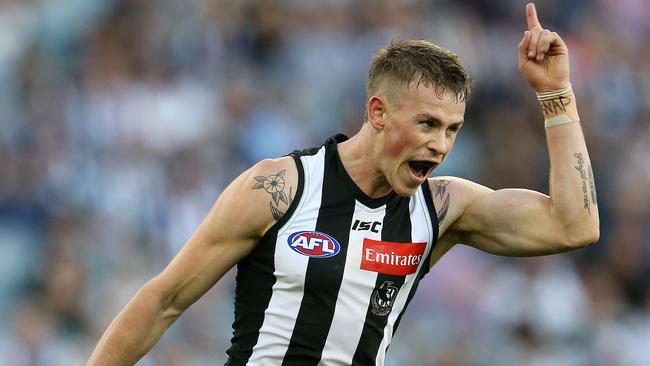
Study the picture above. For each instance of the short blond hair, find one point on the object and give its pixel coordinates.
(419, 62)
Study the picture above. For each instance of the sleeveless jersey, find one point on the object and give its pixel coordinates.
(330, 281)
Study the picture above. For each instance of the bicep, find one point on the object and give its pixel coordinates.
(511, 222)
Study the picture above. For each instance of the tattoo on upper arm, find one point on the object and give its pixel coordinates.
(592, 185)
(580, 167)
(274, 185)
(441, 191)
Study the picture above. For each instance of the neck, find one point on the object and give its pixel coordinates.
(359, 159)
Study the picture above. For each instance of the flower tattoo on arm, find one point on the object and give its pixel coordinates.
(274, 185)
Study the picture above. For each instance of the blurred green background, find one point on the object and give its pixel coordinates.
(122, 120)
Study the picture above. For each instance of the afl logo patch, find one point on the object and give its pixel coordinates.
(314, 244)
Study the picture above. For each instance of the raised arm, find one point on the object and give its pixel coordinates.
(518, 222)
(230, 231)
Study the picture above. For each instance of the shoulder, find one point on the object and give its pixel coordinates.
(451, 197)
(249, 206)
(274, 175)
(273, 183)
(284, 167)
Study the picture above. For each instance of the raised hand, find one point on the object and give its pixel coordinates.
(543, 56)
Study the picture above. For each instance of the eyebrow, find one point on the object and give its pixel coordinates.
(437, 120)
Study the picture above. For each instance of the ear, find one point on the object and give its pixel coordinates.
(376, 111)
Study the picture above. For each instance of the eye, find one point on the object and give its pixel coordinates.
(453, 129)
(428, 123)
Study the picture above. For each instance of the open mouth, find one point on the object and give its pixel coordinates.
(421, 168)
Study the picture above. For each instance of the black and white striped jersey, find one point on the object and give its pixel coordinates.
(329, 282)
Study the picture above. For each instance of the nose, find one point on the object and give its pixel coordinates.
(439, 144)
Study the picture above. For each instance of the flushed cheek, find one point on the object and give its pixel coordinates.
(399, 156)
(401, 144)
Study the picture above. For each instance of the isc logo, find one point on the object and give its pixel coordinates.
(314, 244)
(366, 225)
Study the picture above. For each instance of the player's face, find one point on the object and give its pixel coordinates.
(420, 130)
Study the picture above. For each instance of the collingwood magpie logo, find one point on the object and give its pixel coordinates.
(382, 298)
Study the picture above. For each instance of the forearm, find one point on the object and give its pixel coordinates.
(134, 331)
(572, 186)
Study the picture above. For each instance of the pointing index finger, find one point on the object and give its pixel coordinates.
(531, 17)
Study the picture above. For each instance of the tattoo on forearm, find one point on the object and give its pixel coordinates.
(441, 191)
(274, 185)
(555, 106)
(580, 167)
(592, 185)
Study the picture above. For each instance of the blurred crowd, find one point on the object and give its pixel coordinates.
(121, 121)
